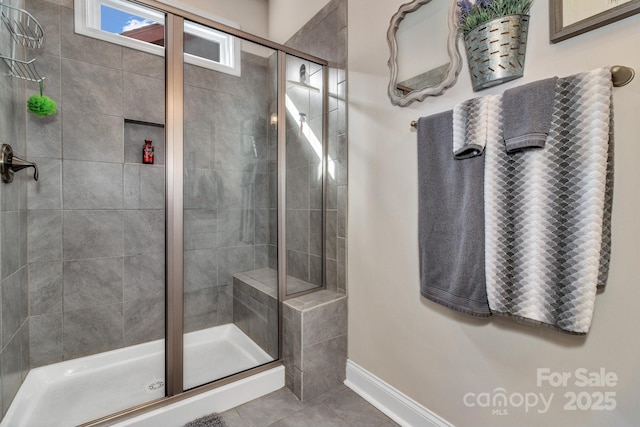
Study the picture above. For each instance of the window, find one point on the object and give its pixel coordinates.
(142, 28)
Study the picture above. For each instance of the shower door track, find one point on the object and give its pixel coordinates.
(174, 128)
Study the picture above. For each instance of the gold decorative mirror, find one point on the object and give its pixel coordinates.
(424, 59)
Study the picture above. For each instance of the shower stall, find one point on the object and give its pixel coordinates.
(132, 281)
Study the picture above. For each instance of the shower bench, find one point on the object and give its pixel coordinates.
(314, 343)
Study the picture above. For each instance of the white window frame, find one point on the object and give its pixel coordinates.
(87, 22)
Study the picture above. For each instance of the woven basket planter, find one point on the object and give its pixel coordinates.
(496, 50)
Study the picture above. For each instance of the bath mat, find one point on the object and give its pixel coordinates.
(211, 420)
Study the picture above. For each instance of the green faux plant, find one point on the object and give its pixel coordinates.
(474, 14)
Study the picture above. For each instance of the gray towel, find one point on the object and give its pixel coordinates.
(527, 115)
(451, 220)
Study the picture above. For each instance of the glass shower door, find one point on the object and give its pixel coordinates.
(230, 154)
(304, 174)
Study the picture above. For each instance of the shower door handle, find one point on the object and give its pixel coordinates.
(10, 164)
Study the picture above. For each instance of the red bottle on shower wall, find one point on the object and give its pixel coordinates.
(147, 152)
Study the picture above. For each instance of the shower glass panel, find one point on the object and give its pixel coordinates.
(304, 174)
(96, 227)
(230, 215)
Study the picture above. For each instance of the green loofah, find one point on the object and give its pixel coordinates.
(41, 105)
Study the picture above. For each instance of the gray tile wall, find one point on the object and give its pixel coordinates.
(315, 342)
(325, 36)
(255, 312)
(95, 219)
(96, 216)
(14, 321)
(315, 325)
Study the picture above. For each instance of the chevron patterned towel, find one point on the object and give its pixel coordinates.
(548, 212)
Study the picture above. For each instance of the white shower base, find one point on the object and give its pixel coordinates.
(80, 390)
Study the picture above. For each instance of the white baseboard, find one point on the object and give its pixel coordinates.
(393, 403)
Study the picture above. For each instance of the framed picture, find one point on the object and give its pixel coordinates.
(569, 18)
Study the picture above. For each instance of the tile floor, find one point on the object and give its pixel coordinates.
(338, 408)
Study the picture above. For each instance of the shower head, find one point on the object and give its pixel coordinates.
(302, 83)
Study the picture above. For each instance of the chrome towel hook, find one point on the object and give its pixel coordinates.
(9, 164)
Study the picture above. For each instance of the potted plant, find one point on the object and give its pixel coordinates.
(495, 38)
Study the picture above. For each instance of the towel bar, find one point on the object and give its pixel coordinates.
(620, 76)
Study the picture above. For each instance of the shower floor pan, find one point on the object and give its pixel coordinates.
(76, 391)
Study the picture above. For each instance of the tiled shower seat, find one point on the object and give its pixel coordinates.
(315, 342)
(315, 329)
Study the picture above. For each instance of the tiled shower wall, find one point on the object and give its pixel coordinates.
(325, 36)
(14, 324)
(315, 325)
(96, 217)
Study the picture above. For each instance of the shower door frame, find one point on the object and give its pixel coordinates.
(174, 134)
